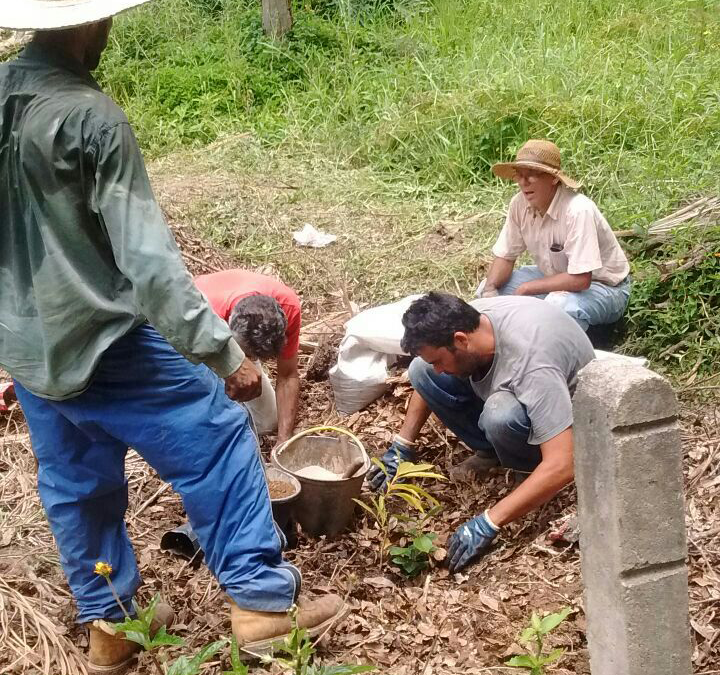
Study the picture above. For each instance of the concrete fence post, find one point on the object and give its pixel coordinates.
(628, 471)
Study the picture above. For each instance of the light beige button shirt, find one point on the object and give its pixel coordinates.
(574, 225)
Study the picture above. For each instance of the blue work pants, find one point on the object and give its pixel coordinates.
(175, 415)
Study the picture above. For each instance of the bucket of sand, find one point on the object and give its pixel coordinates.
(331, 470)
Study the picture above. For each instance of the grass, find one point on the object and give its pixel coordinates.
(402, 107)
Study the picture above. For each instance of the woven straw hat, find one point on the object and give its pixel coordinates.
(54, 14)
(538, 155)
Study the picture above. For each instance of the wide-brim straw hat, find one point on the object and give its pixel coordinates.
(539, 155)
(56, 14)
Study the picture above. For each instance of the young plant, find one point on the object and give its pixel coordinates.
(415, 557)
(535, 659)
(300, 651)
(238, 667)
(419, 499)
(139, 630)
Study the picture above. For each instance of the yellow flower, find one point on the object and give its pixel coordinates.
(103, 569)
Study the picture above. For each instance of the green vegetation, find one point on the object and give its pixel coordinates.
(535, 659)
(400, 106)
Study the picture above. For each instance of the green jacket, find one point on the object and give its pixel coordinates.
(85, 253)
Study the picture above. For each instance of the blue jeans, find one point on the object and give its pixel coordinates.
(499, 425)
(599, 304)
(177, 417)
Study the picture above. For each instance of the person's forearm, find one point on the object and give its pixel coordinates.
(287, 394)
(539, 488)
(557, 282)
(416, 416)
(500, 271)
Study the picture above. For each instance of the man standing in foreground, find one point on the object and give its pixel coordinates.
(100, 324)
(264, 318)
(500, 374)
(579, 265)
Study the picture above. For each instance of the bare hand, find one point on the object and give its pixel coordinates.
(245, 383)
(523, 289)
(489, 292)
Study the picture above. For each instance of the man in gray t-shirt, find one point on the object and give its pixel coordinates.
(500, 373)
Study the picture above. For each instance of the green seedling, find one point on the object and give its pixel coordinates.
(138, 630)
(299, 651)
(415, 557)
(535, 659)
(236, 663)
(415, 496)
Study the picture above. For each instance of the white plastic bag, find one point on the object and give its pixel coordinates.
(370, 346)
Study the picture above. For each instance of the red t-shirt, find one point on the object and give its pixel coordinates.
(224, 289)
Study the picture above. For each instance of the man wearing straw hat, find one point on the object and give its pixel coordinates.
(111, 345)
(579, 265)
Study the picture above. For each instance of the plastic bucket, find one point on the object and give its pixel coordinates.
(282, 507)
(325, 507)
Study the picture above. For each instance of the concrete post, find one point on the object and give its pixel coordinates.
(628, 471)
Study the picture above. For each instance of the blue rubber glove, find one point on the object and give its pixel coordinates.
(396, 453)
(470, 541)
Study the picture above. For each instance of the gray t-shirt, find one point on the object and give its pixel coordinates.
(538, 352)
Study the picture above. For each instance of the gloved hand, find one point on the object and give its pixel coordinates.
(396, 453)
(470, 541)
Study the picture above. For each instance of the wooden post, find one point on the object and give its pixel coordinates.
(277, 17)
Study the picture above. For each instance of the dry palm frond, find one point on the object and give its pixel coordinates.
(31, 639)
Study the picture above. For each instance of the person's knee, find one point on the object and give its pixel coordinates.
(419, 373)
(502, 417)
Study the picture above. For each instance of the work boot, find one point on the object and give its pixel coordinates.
(256, 632)
(110, 652)
(474, 467)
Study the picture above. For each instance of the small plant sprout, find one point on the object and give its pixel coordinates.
(139, 630)
(535, 659)
(300, 651)
(419, 499)
(415, 557)
(236, 662)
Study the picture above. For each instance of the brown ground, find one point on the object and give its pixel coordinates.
(437, 623)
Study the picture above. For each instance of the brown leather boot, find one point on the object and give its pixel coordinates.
(474, 467)
(111, 653)
(256, 632)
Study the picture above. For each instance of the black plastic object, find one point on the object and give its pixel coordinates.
(183, 541)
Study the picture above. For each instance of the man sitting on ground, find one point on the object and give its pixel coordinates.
(579, 265)
(264, 318)
(500, 374)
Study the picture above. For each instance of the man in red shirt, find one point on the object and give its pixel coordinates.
(264, 317)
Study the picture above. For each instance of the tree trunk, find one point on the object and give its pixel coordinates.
(277, 17)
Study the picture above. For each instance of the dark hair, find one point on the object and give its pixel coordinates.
(258, 325)
(433, 320)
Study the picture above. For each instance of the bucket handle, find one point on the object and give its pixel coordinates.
(339, 430)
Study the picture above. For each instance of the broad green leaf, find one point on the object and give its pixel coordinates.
(412, 500)
(535, 622)
(398, 550)
(527, 635)
(424, 543)
(185, 666)
(139, 637)
(410, 470)
(162, 637)
(553, 620)
(554, 655)
(521, 661)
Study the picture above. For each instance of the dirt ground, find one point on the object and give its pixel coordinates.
(437, 623)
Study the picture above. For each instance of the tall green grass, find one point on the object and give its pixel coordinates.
(421, 97)
(429, 93)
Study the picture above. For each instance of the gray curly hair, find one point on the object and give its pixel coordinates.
(258, 325)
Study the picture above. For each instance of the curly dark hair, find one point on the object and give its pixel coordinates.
(258, 324)
(433, 320)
